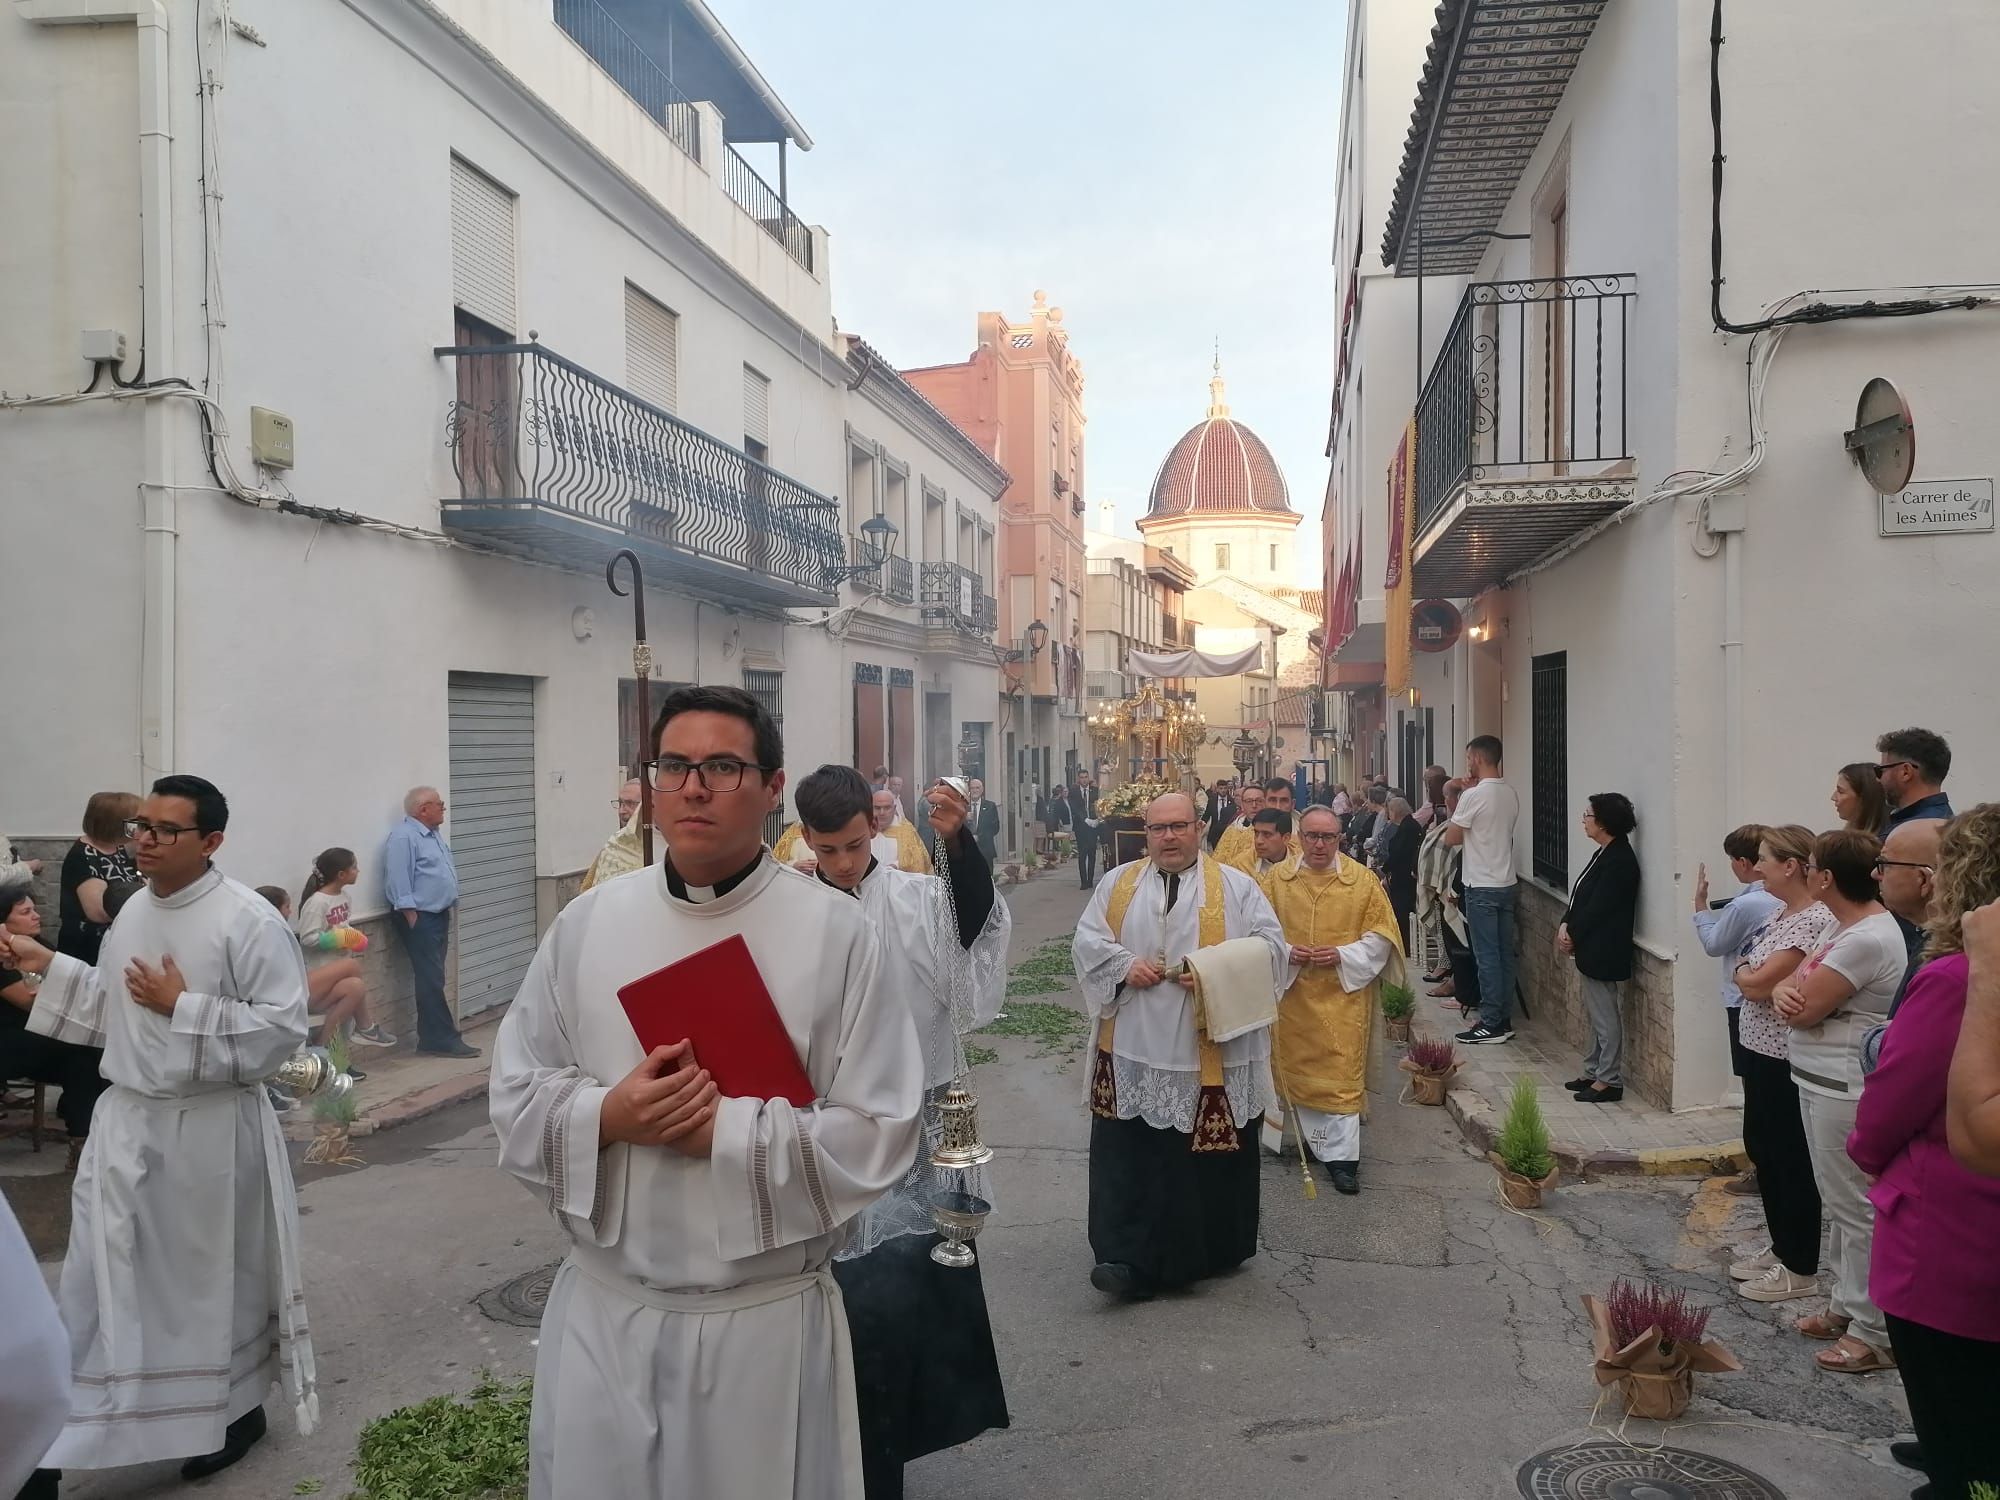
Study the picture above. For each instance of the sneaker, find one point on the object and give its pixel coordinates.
(1752, 1266)
(1483, 1035)
(1744, 1186)
(355, 1073)
(282, 1102)
(372, 1036)
(1779, 1285)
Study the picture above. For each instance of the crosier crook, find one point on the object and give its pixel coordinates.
(642, 669)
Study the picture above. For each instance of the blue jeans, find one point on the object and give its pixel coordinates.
(426, 943)
(1489, 913)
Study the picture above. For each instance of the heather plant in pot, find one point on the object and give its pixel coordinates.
(1521, 1150)
(1649, 1340)
(1430, 1065)
(1398, 1001)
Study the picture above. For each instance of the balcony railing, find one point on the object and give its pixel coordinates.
(1097, 685)
(954, 600)
(558, 464)
(1529, 386)
(632, 68)
(757, 198)
(902, 584)
(872, 581)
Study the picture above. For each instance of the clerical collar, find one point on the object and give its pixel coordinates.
(192, 892)
(680, 890)
(1173, 881)
(873, 865)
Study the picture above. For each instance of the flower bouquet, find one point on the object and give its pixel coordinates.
(1649, 1341)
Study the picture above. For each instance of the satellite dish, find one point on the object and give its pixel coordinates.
(1884, 439)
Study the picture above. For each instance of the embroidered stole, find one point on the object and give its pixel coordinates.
(1214, 1125)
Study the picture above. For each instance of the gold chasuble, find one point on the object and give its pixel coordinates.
(910, 852)
(1320, 1049)
(1214, 1127)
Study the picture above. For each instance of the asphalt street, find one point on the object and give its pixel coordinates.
(1419, 1340)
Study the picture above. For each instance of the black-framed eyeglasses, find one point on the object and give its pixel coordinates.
(1171, 830)
(1320, 838)
(719, 773)
(1890, 765)
(160, 833)
(1900, 864)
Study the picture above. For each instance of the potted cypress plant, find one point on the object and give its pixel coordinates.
(1521, 1151)
(334, 1114)
(1648, 1341)
(1397, 1003)
(1430, 1064)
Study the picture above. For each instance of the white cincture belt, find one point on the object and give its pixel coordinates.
(726, 1299)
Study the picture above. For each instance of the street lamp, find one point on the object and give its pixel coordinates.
(878, 545)
(1038, 638)
(970, 753)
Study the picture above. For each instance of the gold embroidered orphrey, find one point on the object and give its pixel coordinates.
(1214, 1125)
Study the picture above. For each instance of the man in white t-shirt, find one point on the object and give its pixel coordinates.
(1483, 826)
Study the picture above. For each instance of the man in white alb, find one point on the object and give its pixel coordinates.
(924, 1361)
(1173, 1153)
(1483, 827)
(199, 996)
(694, 1342)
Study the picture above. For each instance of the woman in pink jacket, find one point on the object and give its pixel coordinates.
(1935, 1271)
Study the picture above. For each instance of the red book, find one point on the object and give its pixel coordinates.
(717, 1000)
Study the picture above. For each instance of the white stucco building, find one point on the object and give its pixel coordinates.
(1629, 472)
(508, 280)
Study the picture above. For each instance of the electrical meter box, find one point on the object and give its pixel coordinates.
(270, 438)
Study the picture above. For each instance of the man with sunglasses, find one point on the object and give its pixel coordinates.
(198, 996)
(695, 1342)
(1912, 769)
(1342, 935)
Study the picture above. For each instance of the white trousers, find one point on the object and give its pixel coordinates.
(1850, 1217)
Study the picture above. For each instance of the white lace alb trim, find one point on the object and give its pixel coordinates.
(1165, 1098)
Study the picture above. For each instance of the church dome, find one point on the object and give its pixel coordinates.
(1219, 467)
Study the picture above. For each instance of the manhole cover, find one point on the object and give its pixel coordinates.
(1612, 1471)
(521, 1300)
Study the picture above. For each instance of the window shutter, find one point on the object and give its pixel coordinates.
(482, 246)
(652, 349)
(756, 407)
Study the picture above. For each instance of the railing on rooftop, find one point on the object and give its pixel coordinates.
(757, 198)
(632, 68)
(1529, 385)
(556, 462)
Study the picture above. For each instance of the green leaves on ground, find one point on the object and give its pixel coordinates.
(976, 1054)
(1035, 984)
(1052, 959)
(449, 1448)
(1056, 1027)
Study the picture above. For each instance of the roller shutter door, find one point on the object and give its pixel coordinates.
(492, 832)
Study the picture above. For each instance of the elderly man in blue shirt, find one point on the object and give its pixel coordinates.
(421, 884)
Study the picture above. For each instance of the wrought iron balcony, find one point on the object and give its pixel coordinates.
(1522, 434)
(632, 68)
(902, 581)
(557, 464)
(760, 200)
(952, 600)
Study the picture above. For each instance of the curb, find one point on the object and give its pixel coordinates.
(1479, 1124)
(404, 1108)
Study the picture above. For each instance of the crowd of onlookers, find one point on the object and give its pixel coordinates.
(99, 874)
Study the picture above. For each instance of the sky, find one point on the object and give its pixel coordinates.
(1164, 170)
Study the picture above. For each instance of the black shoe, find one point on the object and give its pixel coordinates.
(355, 1073)
(456, 1047)
(1344, 1175)
(1910, 1456)
(237, 1439)
(41, 1485)
(1579, 1083)
(1120, 1280)
(1482, 1035)
(1924, 1491)
(1609, 1093)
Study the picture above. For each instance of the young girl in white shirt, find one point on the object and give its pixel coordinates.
(336, 991)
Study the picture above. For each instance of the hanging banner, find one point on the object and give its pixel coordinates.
(1396, 593)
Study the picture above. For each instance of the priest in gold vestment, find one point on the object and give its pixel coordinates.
(1343, 937)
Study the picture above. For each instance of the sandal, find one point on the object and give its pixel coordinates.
(1852, 1357)
(1822, 1325)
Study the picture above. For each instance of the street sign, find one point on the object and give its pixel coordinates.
(1938, 507)
(1435, 625)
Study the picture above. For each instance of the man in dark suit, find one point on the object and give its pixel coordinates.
(983, 819)
(1083, 813)
(1221, 809)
